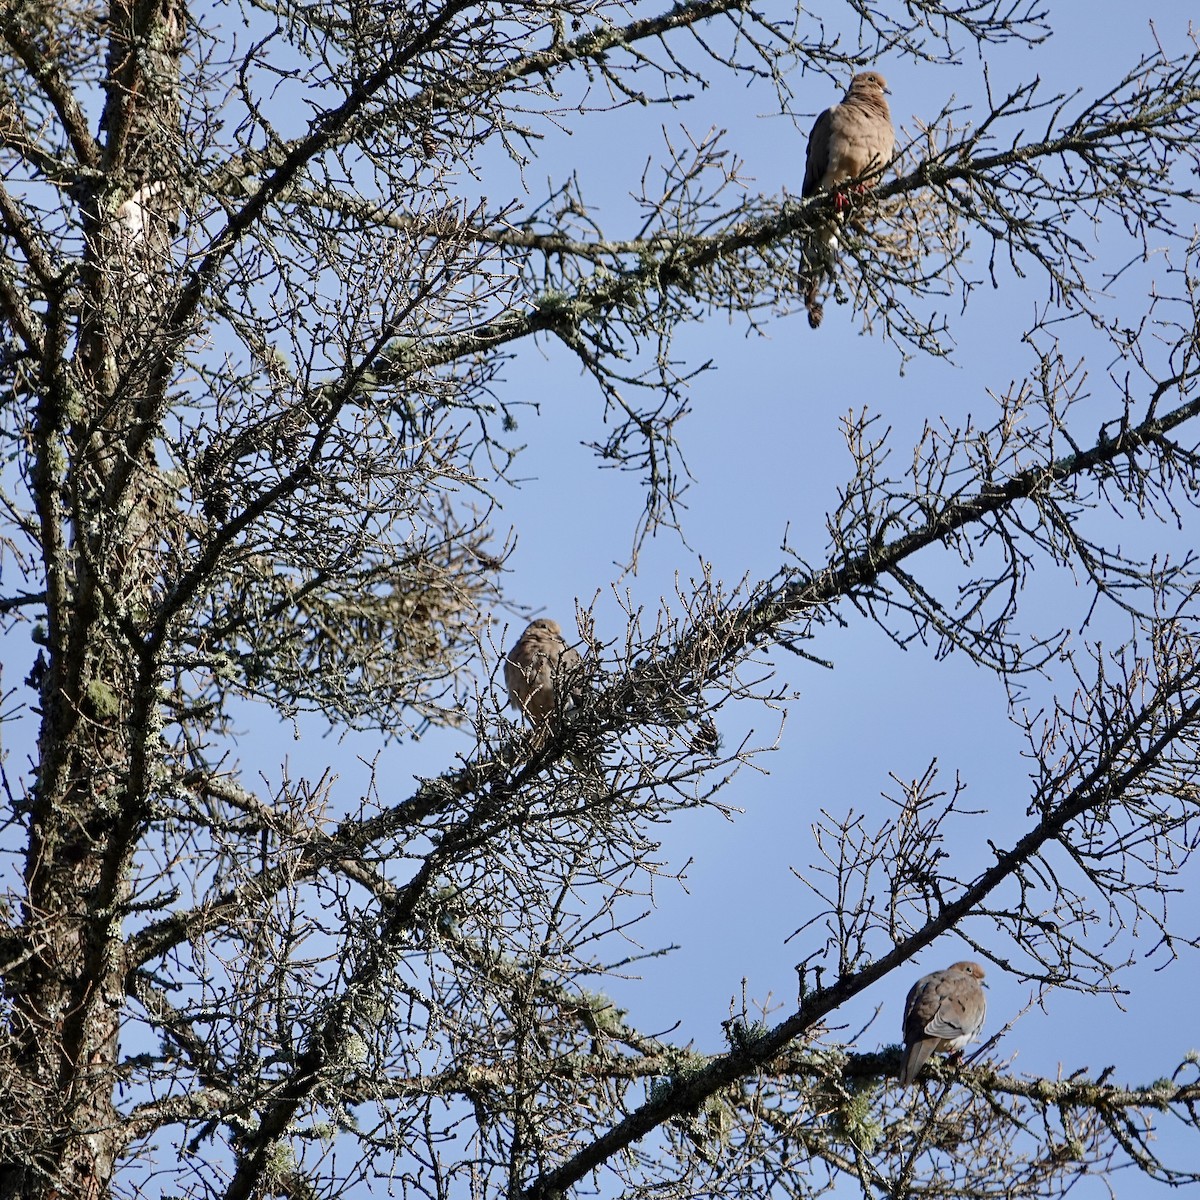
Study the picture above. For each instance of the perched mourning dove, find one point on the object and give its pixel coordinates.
(847, 140)
(850, 138)
(535, 667)
(944, 1011)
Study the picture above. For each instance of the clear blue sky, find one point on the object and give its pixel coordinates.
(766, 450)
(765, 447)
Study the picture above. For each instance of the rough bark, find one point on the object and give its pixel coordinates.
(97, 476)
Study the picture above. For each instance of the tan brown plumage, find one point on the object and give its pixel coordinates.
(944, 1011)
(537, 668)
(847, 141)
(850, 138)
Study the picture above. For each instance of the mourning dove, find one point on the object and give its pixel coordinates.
(944, 1011)
(535, 668)
(847, 140)
(850, 138)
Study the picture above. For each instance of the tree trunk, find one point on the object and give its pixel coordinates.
(98, 488)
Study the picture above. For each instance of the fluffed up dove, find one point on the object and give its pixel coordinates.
(536, 668)
(847, 140)
(944, 1011)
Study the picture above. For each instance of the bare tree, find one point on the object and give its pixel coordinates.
(255, 314)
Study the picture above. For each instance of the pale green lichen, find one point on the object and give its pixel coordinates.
(102, 700)
(857, 1122)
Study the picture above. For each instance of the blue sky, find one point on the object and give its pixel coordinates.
(765, 447)
(764, 444)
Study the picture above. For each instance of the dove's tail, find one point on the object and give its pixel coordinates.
(915, 1057)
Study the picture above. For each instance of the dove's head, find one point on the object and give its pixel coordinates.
(867, 82)
(545, 625)
(969, 968)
